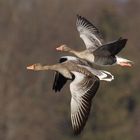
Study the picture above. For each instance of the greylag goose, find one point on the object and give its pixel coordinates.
(60, 80)
(95, 51)
(84, 85)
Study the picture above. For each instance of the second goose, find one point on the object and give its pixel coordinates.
(95, 51)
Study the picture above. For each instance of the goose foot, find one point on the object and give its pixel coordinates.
(125, 64)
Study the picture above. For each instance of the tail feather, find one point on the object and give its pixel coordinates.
(106, 76)
(101, 74)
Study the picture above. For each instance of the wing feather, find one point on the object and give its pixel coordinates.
(83, 88)
(59, 79)
(59, 82)
(89, 33)
(111, 49)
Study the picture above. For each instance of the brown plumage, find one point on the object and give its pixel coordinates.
(96, 52)
(83, 87)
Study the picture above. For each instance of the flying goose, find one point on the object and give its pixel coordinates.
(60, 80)
(97, 52)
(84, 85)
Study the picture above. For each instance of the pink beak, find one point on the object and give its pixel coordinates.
(30, 67)
(59, 49)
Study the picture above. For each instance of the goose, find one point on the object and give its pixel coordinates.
(96, 52)
(84, 84)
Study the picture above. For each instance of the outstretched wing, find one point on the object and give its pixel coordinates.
(59, 79)
(83, 88)
(89, 33)
(111, 49)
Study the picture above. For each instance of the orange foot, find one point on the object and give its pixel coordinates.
(125, 64)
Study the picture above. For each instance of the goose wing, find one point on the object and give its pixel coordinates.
(111, 49)
(83, 88)
(89, 33)
(101, 74)
(76, 60)
(59, 79)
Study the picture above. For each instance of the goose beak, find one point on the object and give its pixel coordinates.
(30, 67)
(59, 48)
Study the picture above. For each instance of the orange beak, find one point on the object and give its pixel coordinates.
(59, 48)
(30, 67)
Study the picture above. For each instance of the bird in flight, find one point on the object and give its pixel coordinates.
(96, 52)
(84, 84)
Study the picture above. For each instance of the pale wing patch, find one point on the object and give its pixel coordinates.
(89, 33)
(82, 89)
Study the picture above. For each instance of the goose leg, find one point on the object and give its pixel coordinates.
(125, 64)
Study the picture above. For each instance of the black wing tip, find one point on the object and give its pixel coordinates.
(123, 41)
(76, 133)
(59, 82)
(78, 16)
(82, 18)
(120, 38)
(77, 130)
(56, 88)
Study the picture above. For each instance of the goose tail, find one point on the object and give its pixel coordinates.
(101, 74)
(105, 76)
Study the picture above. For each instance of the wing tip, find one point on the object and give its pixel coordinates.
(77, 132)
(122, 41)
(125, 40)
(81, 18)
(78, 16)
(82, 21)
(56, 89)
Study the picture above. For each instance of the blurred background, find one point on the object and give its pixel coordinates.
(30, 30)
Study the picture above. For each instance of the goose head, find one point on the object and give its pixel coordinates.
(35, 67)
(64, 48)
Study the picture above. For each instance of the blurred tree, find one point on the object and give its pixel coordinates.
(30, 30)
